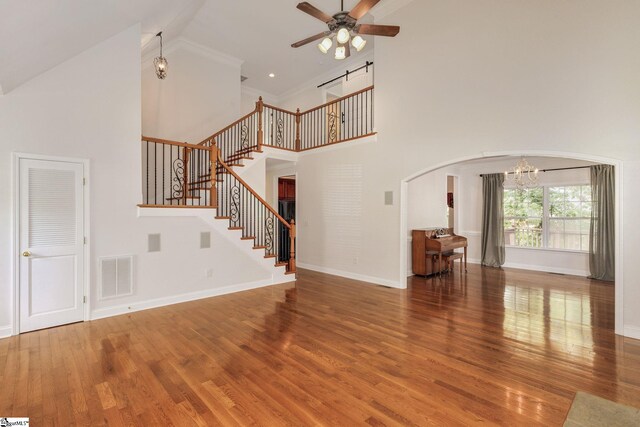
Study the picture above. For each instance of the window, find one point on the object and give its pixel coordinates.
(523, 217)
(554, 217)
(569, 217)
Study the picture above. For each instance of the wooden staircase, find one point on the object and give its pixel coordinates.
(177, 174)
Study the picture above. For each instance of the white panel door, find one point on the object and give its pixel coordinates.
(51, 218)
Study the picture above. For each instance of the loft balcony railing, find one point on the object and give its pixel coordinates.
(340, 120)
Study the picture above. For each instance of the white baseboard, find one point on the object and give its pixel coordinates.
(546, 269)
(632, 332)
(6, 331)
(542, 268)
(349, 275)
(101, 313)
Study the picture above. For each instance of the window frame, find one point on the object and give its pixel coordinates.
(546, 218)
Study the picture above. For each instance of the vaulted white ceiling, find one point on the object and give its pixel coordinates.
(261, 32)
(37, 35)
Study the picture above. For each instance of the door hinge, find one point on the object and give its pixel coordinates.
(84, 240)
(84, 181)
(84, 299)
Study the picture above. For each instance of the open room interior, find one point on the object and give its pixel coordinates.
(382, 212)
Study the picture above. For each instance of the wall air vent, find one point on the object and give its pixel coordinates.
(116, 276)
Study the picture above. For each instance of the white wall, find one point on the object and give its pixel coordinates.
(89, 107)
(249, 97)
(465, 78)
(308, 95)
(199, 96)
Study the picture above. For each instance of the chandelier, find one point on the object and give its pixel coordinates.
(522, 175)
(160, 62)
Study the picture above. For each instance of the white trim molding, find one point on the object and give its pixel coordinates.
(6, 331)
(102, 313)
(197, 48)
(632, 332)
(370, 280)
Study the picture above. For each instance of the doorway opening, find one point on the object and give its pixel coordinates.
(287, 210)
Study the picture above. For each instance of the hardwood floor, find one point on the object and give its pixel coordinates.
(506, 347)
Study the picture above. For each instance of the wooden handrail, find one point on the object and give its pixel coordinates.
(338, 100)
(246, 116)
(252, 191)
(282, 110)
(175, 143)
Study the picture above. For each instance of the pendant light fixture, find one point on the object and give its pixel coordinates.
(160, 62)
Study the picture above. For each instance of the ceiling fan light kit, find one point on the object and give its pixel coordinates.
(325, 45)
(358, 43)
(345, 28)
(343, 35)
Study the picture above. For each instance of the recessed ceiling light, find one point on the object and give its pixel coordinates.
(272, 75)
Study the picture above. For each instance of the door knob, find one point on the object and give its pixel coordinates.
(26, 254)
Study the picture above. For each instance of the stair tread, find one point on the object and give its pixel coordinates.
(281, 264)
(223, 217)
(270, 256)
(248, 238)
(259, 247)
(289, 272)
(235, 228)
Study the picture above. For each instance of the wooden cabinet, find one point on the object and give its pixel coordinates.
(286, 189)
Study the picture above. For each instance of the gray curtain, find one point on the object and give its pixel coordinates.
(602, 230)
(492, 220)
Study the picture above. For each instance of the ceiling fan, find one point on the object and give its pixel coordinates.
(344, 26)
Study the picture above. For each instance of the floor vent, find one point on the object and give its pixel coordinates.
(116, 276)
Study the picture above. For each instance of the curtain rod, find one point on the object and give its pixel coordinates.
(551, 170)
(366, 65)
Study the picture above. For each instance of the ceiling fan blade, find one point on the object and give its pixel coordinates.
(377, 30)
(314, 11)
(362, 8)
(311, 39)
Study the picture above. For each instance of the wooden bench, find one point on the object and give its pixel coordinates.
(450, 257)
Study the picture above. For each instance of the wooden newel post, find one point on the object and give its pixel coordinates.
(213, 155)
(185, 175)
(298, 129)
(292, 246)
(260, 109)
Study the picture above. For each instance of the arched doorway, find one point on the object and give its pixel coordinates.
(619, 283)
